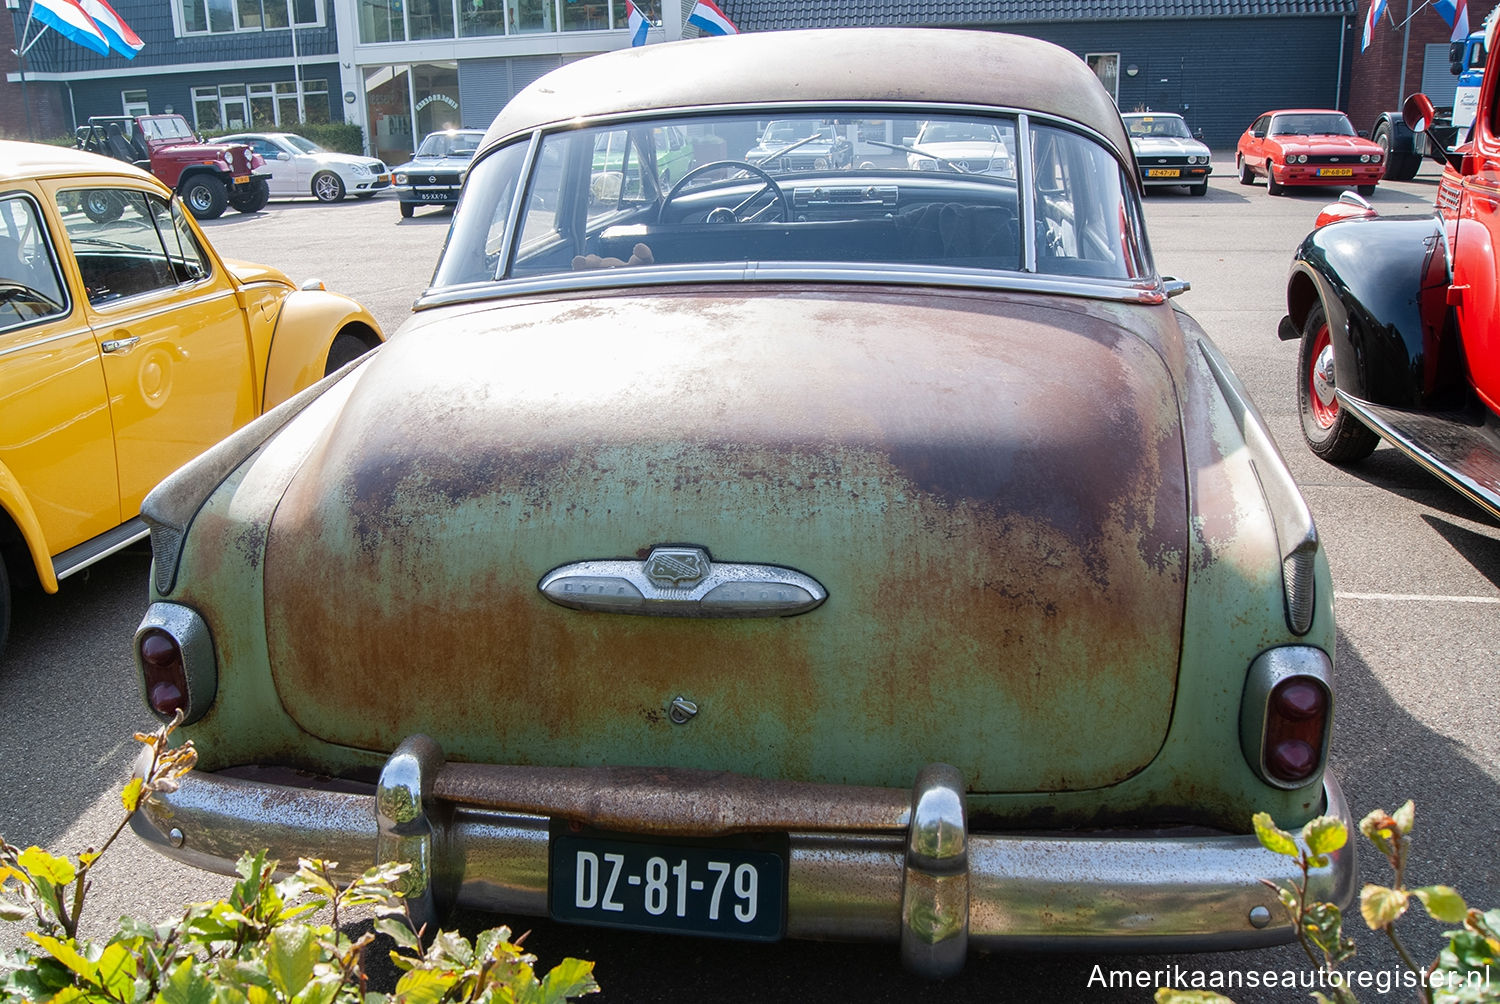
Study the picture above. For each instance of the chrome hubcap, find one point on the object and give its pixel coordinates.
(1322, 376)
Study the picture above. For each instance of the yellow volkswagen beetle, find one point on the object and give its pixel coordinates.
(127, 347)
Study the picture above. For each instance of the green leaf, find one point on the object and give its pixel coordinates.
(1324, 927)
(117, 969)
(43, 866)
(1272, 837)
(424, 986)
(1442, 903)
(291, 954)
(66, 953)
(399, 932)
(1380, 829)
(1381, 906)
(569, 978)
(1325, 835)
(186, 985)
(1405, 816)
(13, 911)
(130, 797)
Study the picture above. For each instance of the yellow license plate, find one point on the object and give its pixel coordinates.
(1335, 172)
(241, 179)
(1163, 172)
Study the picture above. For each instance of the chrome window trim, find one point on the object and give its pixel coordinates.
(49, 241)
(1119, 290)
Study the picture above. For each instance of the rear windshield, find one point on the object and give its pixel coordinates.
(945, 191)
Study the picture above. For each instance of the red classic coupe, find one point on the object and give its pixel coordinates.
(1308, 146)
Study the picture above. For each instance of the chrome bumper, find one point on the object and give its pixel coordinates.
(884, 865)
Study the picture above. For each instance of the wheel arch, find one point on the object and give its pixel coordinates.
(1383, 286)
(305, 330)
(21, 534)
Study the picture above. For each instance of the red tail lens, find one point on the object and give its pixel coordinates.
(1296, 724)
(164, 673)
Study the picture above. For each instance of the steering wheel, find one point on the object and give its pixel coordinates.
(19, 291)
(723, 214)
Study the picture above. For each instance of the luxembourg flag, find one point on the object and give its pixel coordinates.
(1372, 17)
(116, 32)
(71, 22)
(637, 24)
(710, 20)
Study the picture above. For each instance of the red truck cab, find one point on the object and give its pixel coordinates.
(208, 176)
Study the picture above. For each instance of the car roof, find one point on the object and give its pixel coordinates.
(1150, 115)
(937, 65)
(1307, 111)
(20, 160)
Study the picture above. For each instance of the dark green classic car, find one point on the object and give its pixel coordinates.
(872, 552)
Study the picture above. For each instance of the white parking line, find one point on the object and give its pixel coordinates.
(1416, 597)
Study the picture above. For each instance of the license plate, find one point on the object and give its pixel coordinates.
(433, 196)
(1163, 172)
(1335, 172)
(242, 179)
(726, 889)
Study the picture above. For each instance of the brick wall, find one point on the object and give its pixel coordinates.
(46, 101)
(1376, 84)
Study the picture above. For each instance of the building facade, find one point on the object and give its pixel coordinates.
(401, 68)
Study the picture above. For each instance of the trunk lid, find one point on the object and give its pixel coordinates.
(990, 489)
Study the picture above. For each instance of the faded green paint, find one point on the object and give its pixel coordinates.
(991, 491)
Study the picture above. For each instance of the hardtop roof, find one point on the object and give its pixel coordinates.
(898, 65)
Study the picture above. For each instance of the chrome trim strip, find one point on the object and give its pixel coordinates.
(682, 582)
(82, 329)
(935, 880)
(81, 556)
(1146, 893)
(1120, 290)
(1028, 193)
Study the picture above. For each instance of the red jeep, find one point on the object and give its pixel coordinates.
(208, 176)
(1399, 320)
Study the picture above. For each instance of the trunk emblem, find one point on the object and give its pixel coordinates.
(682, 581)
(682, 710)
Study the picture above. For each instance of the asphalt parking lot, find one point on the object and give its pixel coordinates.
(1416, 571)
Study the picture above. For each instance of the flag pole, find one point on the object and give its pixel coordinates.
(20, 51)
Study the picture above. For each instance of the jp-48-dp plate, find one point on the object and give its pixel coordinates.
(723, 888)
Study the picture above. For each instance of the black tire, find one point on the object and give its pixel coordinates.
(362, 196)
(1247, 176)
(1366, 190)
(1329, 430)
(252, 198)
(345, 349)
(328, 187)
(406, 210)
(1272, 185)
(4, 607)
(101, 206)
(1199, 189)
(205, 196)
(1400, 165)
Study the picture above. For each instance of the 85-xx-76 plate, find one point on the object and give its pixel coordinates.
(729, 888)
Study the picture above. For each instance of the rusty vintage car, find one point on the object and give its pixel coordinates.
(869, 552)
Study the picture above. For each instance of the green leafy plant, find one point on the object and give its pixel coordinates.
(258, 945)
(1466, 970)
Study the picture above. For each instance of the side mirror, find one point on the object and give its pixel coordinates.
(283, 155)
(1417, 112)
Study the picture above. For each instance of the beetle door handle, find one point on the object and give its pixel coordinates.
(120, 344)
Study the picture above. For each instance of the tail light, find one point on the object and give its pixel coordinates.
(1286, 715)
(175, 655)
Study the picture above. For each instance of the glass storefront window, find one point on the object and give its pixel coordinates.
(388, 103)
(380, 21)
(430, 18)
(585, 15)
(481, 17)
(535, 15)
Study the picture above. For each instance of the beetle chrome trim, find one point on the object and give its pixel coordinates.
(1110, 890)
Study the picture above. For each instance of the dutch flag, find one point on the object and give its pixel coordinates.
(71, 22)
(1456, 13)
(637, 24)
(1377, 7)
(710, 20)
(116, 32)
